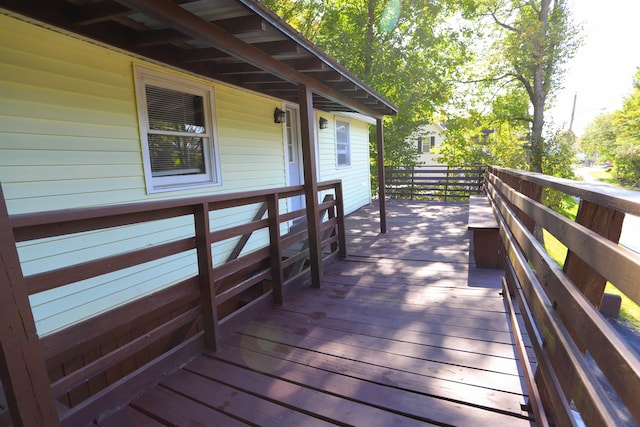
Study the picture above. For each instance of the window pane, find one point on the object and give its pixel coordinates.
(173, 155)
(170, 110)
(342, 144)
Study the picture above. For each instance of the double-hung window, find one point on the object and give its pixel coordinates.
(343, 145)
(177, 132)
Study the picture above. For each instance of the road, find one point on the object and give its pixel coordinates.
(630, 236)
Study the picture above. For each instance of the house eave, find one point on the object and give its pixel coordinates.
(240, 42)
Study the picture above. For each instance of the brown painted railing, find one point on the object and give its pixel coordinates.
(433, 182)
(109, 357)
(579, 354)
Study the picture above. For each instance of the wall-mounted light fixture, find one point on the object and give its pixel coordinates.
(279, 116)
(324, 123)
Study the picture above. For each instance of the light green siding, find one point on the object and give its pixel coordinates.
(69, 138)
(355, 178)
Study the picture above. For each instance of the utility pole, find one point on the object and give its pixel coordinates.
(573, 112)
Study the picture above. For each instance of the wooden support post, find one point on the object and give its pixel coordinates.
(205, 276)
(275, 249)
(382, 201)
(22, 366)
(607, 222)
(310, 183)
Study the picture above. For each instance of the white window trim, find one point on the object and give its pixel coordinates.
(211, 177)
(346, 165)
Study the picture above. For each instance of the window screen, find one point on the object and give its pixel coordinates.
(343, 150)
(176, 123)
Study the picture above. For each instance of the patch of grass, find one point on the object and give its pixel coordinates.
(604, 175)
(629, 311)
(557, 250)
(608, 177)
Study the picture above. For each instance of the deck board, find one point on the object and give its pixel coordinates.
(404, 331)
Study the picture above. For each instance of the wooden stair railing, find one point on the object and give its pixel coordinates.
(74, 375)
(559, 306)
(439, 182)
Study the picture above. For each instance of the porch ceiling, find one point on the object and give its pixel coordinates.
(240, 42)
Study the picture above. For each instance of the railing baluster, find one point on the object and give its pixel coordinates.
(277, 273)
(235, 253)
(342, 237)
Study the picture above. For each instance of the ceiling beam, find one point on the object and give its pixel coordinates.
(207, 54)
(282, 48)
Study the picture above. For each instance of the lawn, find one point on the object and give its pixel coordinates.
(606, 176)
(629, 311)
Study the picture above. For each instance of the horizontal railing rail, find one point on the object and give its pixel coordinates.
(433, 182)
(582, 361)
(89, 359)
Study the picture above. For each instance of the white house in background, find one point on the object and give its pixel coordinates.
(429, 137)
(167, 111)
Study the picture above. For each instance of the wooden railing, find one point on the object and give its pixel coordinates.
(579, 354)
(433, 182)
(110, 356)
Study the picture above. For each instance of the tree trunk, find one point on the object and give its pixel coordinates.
(368, 48)
(539, 92)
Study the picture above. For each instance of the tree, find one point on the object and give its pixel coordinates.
(404, 49)
(626, 122)
(532, 40)
(599, 138)
(616, 136)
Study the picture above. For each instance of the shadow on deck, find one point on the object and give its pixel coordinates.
(404, 331)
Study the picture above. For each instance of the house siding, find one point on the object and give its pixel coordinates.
(69, 138)
(428, 157)
(356, 177)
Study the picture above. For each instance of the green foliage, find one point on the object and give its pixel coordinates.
(627, 162)
(598, 140)
(521, 64)
(557, 160)
(405, 49)
(616, 136)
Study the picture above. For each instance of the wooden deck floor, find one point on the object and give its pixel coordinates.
(403, 332)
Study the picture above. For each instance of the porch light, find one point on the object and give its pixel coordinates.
(278, 116)
(324, 123)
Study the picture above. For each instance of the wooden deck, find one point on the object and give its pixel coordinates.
(403, 332)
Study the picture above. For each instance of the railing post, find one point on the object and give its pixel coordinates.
(342, 238)
(275, 249)
(382, 200)
(205, 276)
(22, 366)
(413, 181)
(446, 183)
(607, 222)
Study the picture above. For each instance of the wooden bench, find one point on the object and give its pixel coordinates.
(488, 250)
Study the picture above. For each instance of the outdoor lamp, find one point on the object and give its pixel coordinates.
(278, 115)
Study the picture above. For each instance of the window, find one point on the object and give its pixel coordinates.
(433, 142)
(343, 146)
(177, 133)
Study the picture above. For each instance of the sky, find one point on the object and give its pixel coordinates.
(601, 73)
